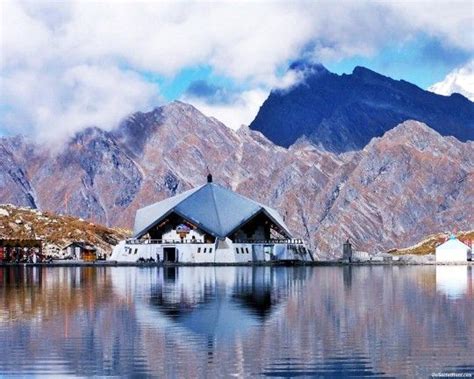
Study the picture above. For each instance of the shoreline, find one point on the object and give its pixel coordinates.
(254, 264)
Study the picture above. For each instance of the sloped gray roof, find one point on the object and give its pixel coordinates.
(213, 208)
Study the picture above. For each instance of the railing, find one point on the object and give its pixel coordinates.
(191, 241)
(273, 241)
(155, 241)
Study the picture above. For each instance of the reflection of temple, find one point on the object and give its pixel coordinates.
(215, 303)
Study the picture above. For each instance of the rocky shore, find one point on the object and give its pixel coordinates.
(55, 231)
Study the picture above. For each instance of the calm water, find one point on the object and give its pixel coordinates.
(237, 321)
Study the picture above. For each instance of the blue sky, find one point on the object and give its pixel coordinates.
(65, 66)
(422, 61)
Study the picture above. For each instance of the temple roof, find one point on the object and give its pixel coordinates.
(213, 208)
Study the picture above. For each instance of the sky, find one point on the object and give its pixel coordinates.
(65, 66)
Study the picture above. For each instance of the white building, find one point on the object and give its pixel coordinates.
(452, 250)
(210, 224)
(360, 256)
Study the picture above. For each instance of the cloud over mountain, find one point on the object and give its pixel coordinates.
(68, 65)
(460, 80)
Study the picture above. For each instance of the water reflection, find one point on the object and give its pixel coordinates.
(217, 304)
(244, 321)
(455, 281)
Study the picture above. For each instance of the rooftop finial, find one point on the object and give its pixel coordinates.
(209, 175)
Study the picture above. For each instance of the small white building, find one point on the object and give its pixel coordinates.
(452, 250)
(360, 256)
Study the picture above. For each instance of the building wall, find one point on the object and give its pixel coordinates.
(220, 252)
(452, 251)
(360, 255)
(73, 251)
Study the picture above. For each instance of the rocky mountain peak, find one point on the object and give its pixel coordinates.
(389, 194)
(363, 73)
(421, 137)
(410, 132)
(343, 113)
(179, 114)
(89, 135)
(308, 67)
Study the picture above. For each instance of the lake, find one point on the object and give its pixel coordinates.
(380, 321)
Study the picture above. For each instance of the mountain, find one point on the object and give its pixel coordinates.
(410, 182)
(407, 184)
(344, 112)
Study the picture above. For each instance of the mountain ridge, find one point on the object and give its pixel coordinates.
(372, 196)
(344, 112)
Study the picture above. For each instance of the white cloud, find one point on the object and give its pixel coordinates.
(450, 21)
(59, 103)
(460, 80)
(53, 54)
(241, 111)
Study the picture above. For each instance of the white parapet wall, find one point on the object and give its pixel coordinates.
(223, 251)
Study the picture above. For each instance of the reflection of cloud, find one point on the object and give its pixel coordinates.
(452, 280)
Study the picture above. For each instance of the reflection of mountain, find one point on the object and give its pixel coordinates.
(332, 367)
(63, 321)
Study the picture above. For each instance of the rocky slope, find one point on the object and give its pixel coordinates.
(401, 187)
(429, 244)
(55, 230)
(344, 112)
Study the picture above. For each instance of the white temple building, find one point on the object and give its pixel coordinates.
(210, 224)
(452, 251)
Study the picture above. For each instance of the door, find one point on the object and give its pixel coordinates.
(169, 254)
(268, 252)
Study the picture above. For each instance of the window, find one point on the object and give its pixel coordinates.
(237, 250)
(199, 249)
(210, 250)
(205, 249)
(136, 251)
(247, 250)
